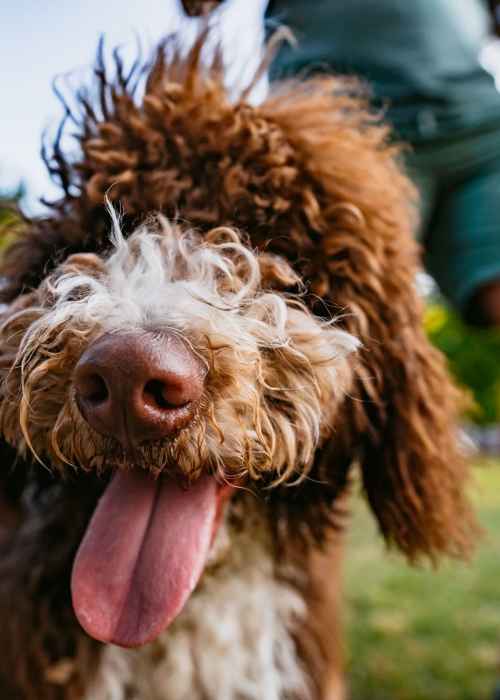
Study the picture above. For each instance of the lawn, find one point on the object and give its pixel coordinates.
(418, 634)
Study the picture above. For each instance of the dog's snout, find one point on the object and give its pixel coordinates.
(138, 387)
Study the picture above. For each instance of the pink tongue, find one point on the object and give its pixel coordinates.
(142, 555)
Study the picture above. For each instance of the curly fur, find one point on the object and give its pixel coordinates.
(313, 182)
(274, 370)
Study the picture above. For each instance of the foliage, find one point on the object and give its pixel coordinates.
(474, 357)
(6, 212)
(421, 634)
(9, 216)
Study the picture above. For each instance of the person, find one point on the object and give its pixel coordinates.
(421, 61)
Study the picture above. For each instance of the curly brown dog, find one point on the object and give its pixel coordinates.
(186, 385)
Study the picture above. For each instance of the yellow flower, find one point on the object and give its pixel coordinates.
(435, 317)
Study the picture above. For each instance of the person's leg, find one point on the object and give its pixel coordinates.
(427, 185)
(463, 246)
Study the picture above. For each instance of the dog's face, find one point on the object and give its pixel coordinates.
(175, 364)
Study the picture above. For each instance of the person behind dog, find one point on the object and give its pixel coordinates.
(421, 60)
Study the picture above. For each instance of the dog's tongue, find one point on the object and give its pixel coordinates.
(142, 555)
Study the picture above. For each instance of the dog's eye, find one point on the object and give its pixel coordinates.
(52, 294)
(79, 293)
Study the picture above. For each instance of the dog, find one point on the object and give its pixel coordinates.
(214, 324)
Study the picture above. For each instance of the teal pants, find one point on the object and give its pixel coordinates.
(459, 183)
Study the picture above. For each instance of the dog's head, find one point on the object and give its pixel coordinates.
(172, 362)
(188, 362)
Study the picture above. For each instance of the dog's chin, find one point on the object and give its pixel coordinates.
(143, 553)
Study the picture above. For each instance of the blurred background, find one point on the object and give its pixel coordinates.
(412, 634)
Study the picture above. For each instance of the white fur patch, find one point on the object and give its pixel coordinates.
(232, 641)
(158, 279)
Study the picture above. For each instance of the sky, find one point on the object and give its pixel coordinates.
(58, 38)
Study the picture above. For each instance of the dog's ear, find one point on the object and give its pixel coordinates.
(356, 223)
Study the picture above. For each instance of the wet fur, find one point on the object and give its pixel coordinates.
(312, 179)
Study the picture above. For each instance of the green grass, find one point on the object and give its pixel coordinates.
(418, 634)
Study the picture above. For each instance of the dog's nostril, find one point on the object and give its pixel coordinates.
(92, 388)
(156, 393)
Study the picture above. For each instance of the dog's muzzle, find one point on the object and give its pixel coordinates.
(138, 387)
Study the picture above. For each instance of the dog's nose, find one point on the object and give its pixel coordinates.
(138, 387)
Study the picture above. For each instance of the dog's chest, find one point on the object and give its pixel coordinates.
(233, 641)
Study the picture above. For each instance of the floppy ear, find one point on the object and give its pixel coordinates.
(357, 219)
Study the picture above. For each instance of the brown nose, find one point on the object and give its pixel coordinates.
(138, 387)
